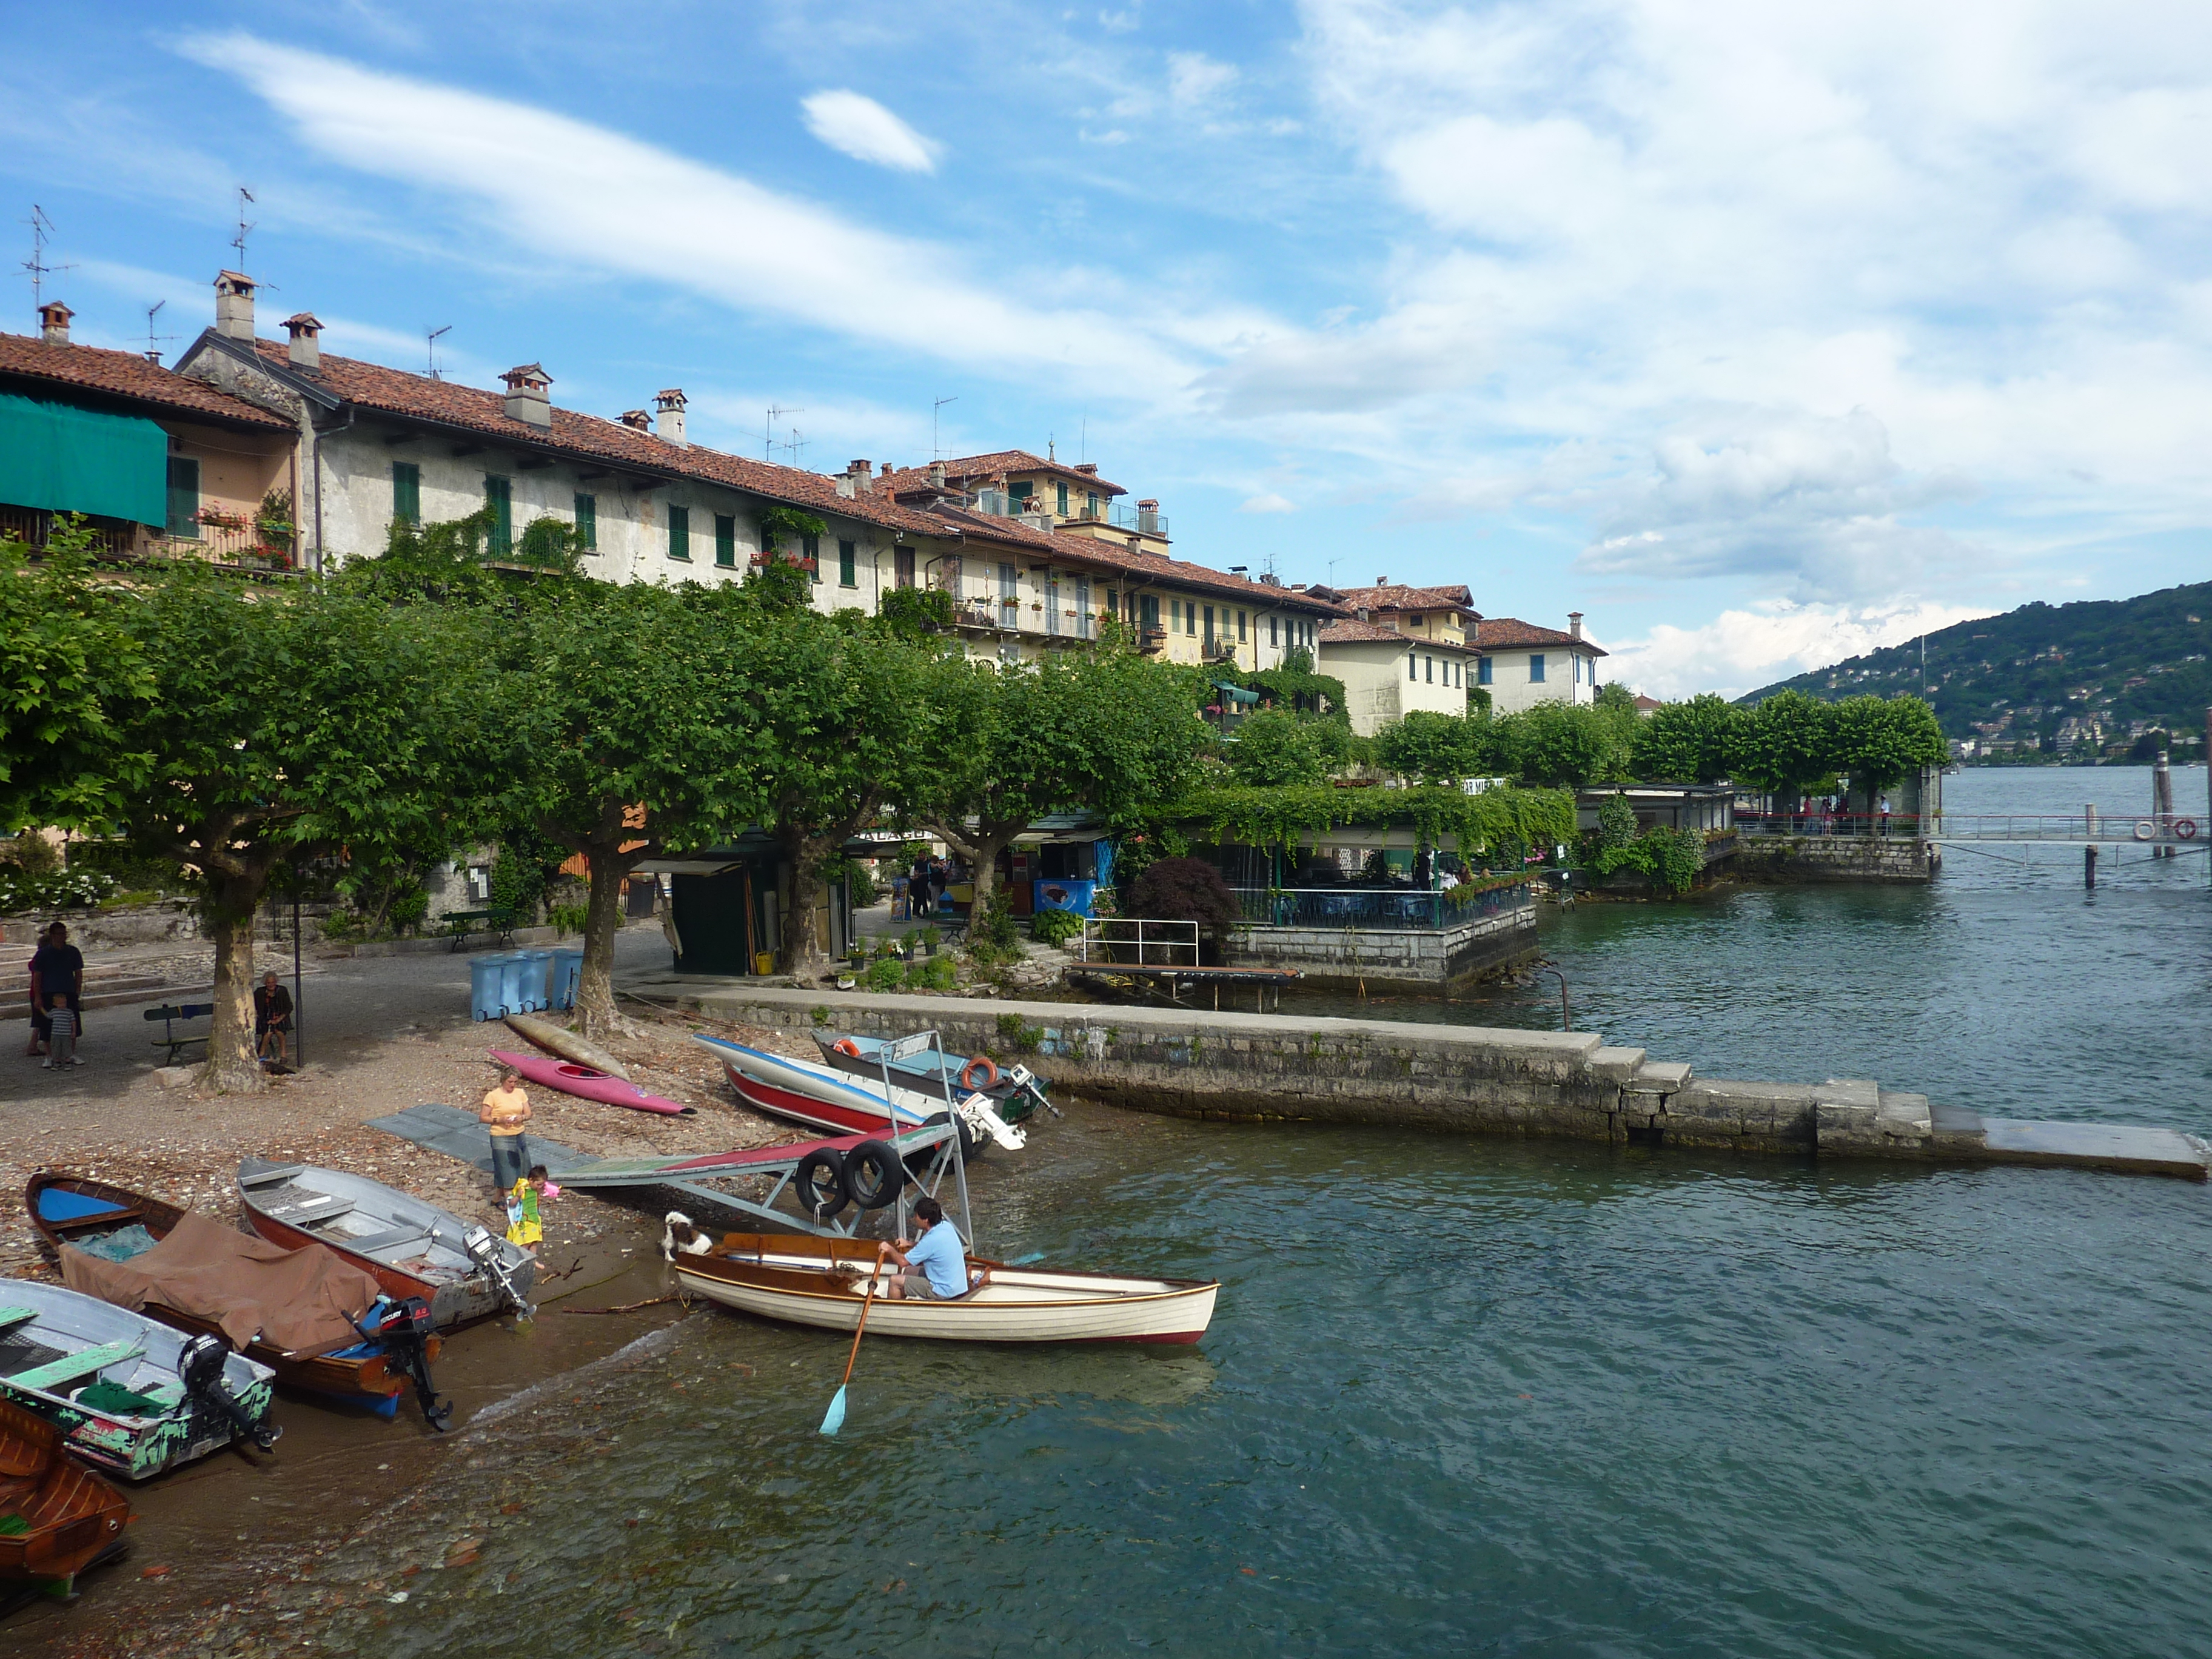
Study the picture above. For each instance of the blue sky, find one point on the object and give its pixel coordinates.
(1759, 334)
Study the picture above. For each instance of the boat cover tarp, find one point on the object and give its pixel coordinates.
(295, 1299)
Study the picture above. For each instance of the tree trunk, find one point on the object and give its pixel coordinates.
(232, 1066)
(981, 847)
(595, 989)
(803, 888)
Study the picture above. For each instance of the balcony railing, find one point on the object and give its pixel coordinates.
(1383, 909)
(1145, 521)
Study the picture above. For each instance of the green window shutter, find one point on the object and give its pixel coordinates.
(679, 532)
(587, 521)
(184, 518)
(725, 540)
(499, 497)
(1063, 499)
(407, 493)
(846, 576)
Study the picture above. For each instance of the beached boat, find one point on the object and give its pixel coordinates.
(55, 1518)
(131, 1396)
(840, 1103)
(586, 1082)
(1014, 1094)
(410, 1247)
(559, 1041)
(298, 1312)
(823, 1281)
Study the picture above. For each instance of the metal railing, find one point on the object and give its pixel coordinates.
(1145, 521)
(1906, 824)
(1386, 909)
(1133, 940)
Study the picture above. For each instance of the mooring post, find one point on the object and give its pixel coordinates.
(2161, 804)
(2089, 866)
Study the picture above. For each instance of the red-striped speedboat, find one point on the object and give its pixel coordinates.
(838, 1102)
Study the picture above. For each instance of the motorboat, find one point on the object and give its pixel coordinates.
(837, 1102)
(1014, 1094)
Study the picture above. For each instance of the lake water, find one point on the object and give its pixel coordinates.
(1469, 1396)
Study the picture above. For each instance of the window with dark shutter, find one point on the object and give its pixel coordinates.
(406, 492)
(679, 532)
(587, 521)
(847, 577)
(184, 508)
(499, 497)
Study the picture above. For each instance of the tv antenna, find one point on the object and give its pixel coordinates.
(153, 340)
(431, 340)
(768, 429)
(41, 227)
(936, 453)
(245, 199)
(1083, 438)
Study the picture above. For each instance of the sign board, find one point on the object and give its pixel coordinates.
(907, 1047)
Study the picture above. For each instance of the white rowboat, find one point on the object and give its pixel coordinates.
(822, 1282)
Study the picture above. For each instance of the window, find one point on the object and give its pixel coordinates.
(1148, 609)
(1412, 668)
(809, 549)
(679, 532)
(1414, 621)
(1536, 669)
(183, 498)
(845, 575)
(1274, 636)
(499, 497)
(587, 521)
(725, 540)
(1021, 493)
(406, 491)
(1083, 629)
(1091, 505)
(1062, 488)
(1052, 602)
(903, 567)
(1190, 618)
(1010, 583)
(1482, 671)
(1240, 628)
(948, 576)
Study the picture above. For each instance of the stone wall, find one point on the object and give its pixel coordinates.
(1431, 958)
(1836, 858)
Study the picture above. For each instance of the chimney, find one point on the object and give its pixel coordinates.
(1381, 581)
(1575, 624)
(234, 306)
(863, 480)
(1088, 469)
(306, 331)
(1363, 617)
(671, 404)
(637, 420)
(937, 475)
(528, 395)
(888, 470)
(53, 322)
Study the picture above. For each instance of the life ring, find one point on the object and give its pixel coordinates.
(873, 1174)
(2146, 830)
(984, 1064)
(846, 1046)
(820, 1179)
(2185, 829)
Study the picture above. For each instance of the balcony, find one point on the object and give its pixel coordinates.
(1144, 521)
(1151, 641)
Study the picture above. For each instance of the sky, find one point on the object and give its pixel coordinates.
(1760, 335)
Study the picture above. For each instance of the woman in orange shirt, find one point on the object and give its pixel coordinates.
(505, 1110)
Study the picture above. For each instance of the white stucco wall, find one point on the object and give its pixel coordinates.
(1377, 689)
(1570, 676)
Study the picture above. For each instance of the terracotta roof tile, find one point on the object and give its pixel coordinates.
(1021, 461)
(1396, 596)
(1353, 631)
(1494, 633)
(127, 374)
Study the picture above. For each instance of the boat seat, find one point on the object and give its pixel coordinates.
(16, 1316)
(306, 1214)
(83, 1363)
(392, 1239)
(274, 1172)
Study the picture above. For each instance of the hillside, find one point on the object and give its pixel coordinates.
(2097, 678)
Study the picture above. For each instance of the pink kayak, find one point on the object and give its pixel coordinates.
(586, 1084)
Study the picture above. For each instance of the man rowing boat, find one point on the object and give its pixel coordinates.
(936, 1250)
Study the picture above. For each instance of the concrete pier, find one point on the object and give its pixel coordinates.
(1451, 1079)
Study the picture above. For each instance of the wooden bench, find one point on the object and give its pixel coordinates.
(463, 924)
(171, 1038)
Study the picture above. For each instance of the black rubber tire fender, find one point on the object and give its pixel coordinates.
(873, 1174)
(970, 1149)
(819, 1180)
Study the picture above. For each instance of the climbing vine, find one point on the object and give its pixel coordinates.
(1281, 817)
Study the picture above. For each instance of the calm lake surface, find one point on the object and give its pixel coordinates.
(1476, 1396)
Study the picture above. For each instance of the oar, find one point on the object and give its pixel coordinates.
(833, 1419)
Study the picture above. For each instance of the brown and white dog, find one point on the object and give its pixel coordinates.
(680, 1236)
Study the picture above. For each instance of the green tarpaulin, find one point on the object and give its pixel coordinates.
(1236, 693)
(66, 459)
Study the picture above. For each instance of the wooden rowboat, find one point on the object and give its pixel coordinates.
(56, 1519)
(365, 1373)
(410, 1247)
(587, 1084)
(822, 1282)
(131, 1396)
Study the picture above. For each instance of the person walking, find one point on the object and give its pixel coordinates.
(40, 1026)
(505, 1110)
(58, 969)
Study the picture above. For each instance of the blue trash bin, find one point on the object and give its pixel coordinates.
(525, 976)
(488, 985)
(567, 970)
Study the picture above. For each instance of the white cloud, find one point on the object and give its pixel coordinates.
(1269, 502)
(1195, 82)
(600, 200)
(1740, 651)
(864, 130)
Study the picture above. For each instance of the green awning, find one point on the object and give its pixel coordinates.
(1236, 693)
(65, 460)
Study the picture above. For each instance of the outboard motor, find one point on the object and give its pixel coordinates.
(199, 1367)
(483, 1251)
(403, 1330)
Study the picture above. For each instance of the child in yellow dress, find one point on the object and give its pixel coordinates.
(523, 1225)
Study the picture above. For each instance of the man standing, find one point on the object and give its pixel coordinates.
(936, 1251)
(58, 969)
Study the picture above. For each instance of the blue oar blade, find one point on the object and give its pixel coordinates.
(833, 1419)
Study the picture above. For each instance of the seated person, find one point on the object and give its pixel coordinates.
(938, 1254)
